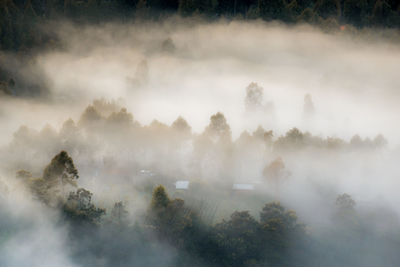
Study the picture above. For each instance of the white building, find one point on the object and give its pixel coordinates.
(182, 185)
(243, 187)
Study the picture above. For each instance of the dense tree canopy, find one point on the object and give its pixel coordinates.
(19, 21)
(275, 238)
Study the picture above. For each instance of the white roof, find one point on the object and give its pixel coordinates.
(146, 172)
(243, 187)
(182, 184)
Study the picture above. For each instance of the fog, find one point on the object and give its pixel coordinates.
(209, 62)
(330, 84)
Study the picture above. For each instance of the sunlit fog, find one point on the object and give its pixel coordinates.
(187, 141)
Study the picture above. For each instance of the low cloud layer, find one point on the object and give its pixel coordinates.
(339, 89)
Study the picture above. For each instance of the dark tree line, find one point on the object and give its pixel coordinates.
(99, 121)
(170, 227)
(239, 241)
(19, 19)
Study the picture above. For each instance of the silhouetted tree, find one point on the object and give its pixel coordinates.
(186, 7)
(355, 12)
(61, 170)
(271, 9)
(170, 218)
(122, 119)
(90, 117)
(345, 202)
(160, 198)
(254, 97)
(281, 232)
(328, 8)
(168, 45)
(79, 209)
(308, 15)
(218, 128)
(293, 139)
(356, 141)
(56, 176)
(119, 214)
(68, 128)
(345, 214)
(275, 173)
(181, 125)
(380, 141)
(240, 240)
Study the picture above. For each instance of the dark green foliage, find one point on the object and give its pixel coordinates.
(328, 8)
(275, 217)
(272, 9)
(19, 20)
(160, 198)
(57, 177)
(292, 10)
(281, 232)
(355, 12)
(385, 13)
(163, 5)
(61, 167)
(239, 239)
(170, 218)
(79, 209)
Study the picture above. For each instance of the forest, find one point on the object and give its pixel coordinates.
(153, 221)
(199, 133)
(24, 24)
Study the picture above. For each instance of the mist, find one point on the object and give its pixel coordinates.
(305, 115)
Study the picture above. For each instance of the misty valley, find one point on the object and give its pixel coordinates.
(158, 195)
(199, 133)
